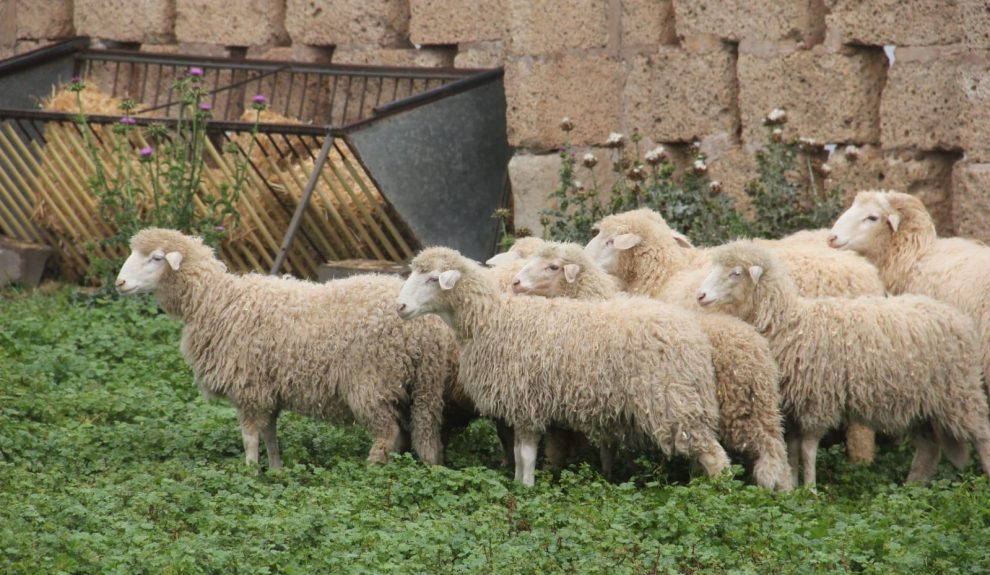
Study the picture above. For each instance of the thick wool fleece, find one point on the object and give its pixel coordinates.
(746, 374)
(660, 267)
(891, 362)
(269, 344)
(625, 370)
(915, 260)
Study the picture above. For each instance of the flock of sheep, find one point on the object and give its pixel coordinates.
(637, 339)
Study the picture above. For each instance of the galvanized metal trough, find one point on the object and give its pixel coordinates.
(354, 163)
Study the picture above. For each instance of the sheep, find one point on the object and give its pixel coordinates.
(627, 370)
(505, 265)
(893, 362)
(269, 344)
(649, 258)
(896, 233)
(746, 373)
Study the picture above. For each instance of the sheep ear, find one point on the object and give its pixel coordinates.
(756, 272)
(681, 239)
(571, 272)
(501, 259)
(448, 279)
(174, 259)
(626, 241)
(893, 220)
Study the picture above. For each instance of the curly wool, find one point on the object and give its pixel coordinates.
(660, 267)
(621, 370)
(891, 362)
(915, 260)
(746, 374)
(269, 344)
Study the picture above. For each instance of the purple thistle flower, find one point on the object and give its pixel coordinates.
(259, 99)
(128, 121)
(205, 106)
(197, 72)
(146, 152)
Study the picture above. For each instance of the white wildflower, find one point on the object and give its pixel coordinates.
(851, 152)
(615, 140)
(655, 156)
(777, 116)
(589, 160)
(700, 166)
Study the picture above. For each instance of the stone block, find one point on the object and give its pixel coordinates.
(751, 19)
(829, 96)
(730, 165)
(373, 56)
(126, 20)
(434, 22)
(383, 23)
(927, 175)
(921, 102)
(676, 95)
(539, 28)
(534, 177)
(975, 16)
(481, 55)
(539, 93)
(974, 126)
(649, 23)
(230, 23)
(971, 200)
(880, 22)
(41, 20)
(22, 262)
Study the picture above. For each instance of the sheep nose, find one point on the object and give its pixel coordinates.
(701, 295)
(401, 307)
(517, 282)
(120, 283)
(832, 239)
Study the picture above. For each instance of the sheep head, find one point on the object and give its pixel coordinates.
(523, 249)
(551, 269)
(621, 238)
(155, 254)
(439, 278)
(738, 270)
(873, 219)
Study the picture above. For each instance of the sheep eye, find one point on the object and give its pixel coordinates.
(872, 218)
(157, 257)
(432, 279)
(553, 267)
(609, 242)
(735, 273)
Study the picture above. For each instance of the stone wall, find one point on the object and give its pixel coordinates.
(906, 83)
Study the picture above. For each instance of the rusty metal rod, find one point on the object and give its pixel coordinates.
(290, 233)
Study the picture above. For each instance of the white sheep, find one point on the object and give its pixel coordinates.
(746, 373)
(649, 258)
(269, 344)
(896, 233)
(893, 362)
(621, 370)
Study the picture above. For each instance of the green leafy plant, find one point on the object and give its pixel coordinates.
(155, 173)
(787, 195)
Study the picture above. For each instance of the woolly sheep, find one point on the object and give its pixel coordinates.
(505, 265)
(746, 373)
(896, 233)
(649, 258)
(895, 363)
(622, 369)
(270, 344)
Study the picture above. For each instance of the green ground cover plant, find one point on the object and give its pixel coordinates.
(111, 462)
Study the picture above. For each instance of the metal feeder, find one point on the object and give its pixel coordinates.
(381, 162)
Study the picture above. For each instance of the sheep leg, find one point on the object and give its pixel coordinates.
(926, 455)
(606, 453)
(250, 436)
(809, 453)
(982, 440)
(270, 435)
(426, 415)
(555, 448)
(956, 451)
(771, 469)
(509, 449)
(794, 456)
(527, 444)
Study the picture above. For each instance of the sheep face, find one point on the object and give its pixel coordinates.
(545, 277)
(423, 293)
(143, 272)
(730, 289)
(607, 246)
(865, 226)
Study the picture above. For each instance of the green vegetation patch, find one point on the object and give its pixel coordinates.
(111, 462)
